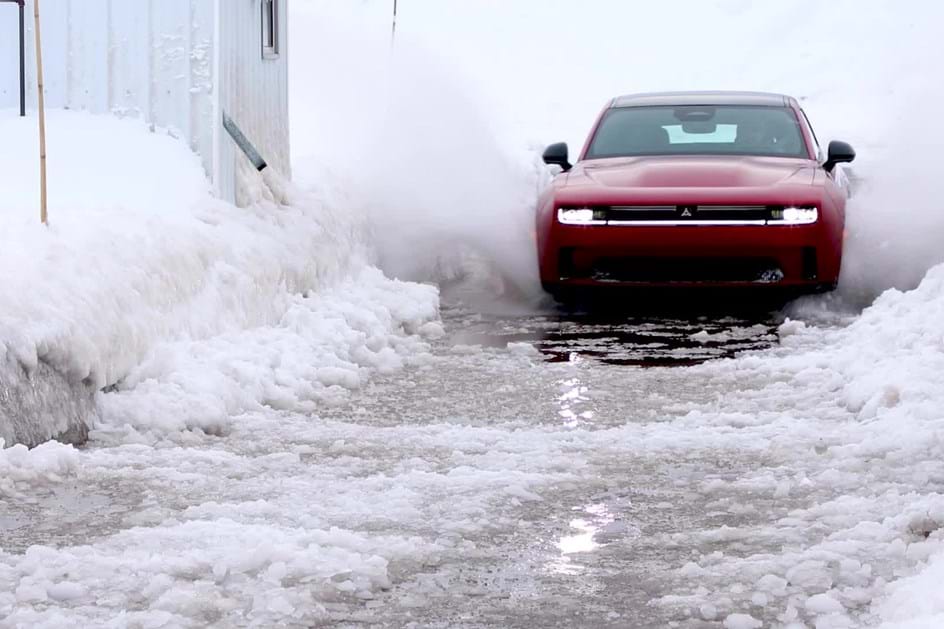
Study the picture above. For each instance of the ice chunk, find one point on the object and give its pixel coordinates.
(742, 621)
(824, 603)
(65, 591)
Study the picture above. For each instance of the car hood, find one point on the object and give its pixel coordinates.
(693, 172)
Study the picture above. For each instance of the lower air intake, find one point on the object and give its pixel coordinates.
(810, 263)
(693, 270)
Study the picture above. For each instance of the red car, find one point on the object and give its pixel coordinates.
(684, 189)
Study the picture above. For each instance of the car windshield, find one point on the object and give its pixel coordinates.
(698, 130)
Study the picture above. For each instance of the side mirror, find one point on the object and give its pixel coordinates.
(839, 152)
(557, 154)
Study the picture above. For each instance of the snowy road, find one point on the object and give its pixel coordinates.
(598, 545)
(285, 437)
(524, 471)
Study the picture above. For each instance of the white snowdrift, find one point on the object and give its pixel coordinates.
(325, 344)
(890, 362)
(138, 253)
(860, 436)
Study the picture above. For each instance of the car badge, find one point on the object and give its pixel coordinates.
(687, 213)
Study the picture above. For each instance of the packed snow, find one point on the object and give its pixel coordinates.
(855, 416)
(282, 434)
(138, 256)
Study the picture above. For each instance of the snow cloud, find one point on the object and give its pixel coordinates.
(896, 221)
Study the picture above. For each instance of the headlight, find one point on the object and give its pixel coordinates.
(795, 216)
(581, 216)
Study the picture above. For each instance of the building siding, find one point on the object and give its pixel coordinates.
(9, 55)
(253, 91)
(156, 60)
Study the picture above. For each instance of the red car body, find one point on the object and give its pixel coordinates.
(710, 220)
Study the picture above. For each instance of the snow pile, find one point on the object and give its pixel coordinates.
(859, 437)
(138, 253)
(261, 573)
(38, 403)
(47, 463)
(325, 344)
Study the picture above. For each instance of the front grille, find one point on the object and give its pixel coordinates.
(693, 214)
(694, 270)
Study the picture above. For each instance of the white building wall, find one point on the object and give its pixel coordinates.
(253, 91)
(156, 59)
(146, 58)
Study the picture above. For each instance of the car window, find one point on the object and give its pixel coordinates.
(698, 130)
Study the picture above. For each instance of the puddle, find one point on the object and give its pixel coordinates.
(63, 515)
(585, 537)
(642, 342)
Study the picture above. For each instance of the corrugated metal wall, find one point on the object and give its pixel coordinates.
(253, 90)
(147, 58)
(154, 59)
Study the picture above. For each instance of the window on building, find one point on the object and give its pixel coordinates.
(270, 29)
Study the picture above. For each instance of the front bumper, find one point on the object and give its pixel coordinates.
(691, 255)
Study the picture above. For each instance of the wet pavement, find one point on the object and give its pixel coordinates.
(605, 552)
(631, 340)
(558, 397)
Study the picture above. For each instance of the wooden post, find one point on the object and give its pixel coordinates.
(43, 216)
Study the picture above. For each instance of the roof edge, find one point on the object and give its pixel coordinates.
(719, 97)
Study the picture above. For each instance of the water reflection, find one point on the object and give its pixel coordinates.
(574, 394)
(581, 543)
(639, 341)
(596, 518)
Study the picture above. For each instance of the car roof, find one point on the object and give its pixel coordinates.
(762, 99)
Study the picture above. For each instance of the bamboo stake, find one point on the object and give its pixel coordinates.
(43, 216)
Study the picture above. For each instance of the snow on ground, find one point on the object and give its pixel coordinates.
(861, 404)
(138, 256)
(48, 462)
(856, 415)
(323, 346)
(286, 518)
(188, 321)
(234, 480)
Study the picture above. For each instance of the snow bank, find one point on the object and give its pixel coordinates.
(859, 435)
(889, 362)
(325, 344)
(39, 403)
(138, 253)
